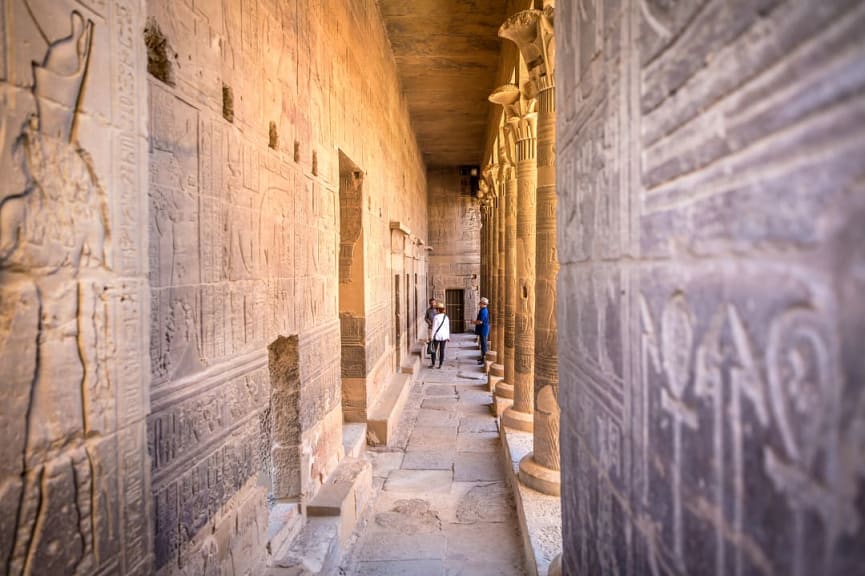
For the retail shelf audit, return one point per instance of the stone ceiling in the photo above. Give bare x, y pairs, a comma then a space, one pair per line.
447, 53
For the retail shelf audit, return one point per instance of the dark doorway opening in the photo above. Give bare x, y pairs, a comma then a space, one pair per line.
455, 305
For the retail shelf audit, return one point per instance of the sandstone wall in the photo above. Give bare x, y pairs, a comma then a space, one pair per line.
455, 237
711, 216
74, 484
251, 103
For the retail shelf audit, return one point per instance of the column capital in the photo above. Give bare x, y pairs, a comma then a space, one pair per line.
508, 97
533, 33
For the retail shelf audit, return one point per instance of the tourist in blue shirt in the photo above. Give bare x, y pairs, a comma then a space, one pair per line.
482, 328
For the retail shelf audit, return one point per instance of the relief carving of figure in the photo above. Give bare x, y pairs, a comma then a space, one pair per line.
52, 297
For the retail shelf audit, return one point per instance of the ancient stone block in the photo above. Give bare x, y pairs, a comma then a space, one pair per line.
707, 372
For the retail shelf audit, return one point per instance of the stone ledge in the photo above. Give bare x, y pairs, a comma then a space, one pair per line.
332, 517
284, 523
384, 416
411, 365
540, 515
353, 439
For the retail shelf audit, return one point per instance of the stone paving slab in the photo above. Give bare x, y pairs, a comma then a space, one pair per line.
478, 442
477, 467
440, 390
478, 424
429, 460
439, 403
385, 545
469, 549
385, 462
437, 418
432, 438
482, 502
419, 481
400, 568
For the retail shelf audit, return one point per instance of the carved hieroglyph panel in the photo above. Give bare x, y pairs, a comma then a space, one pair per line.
73, 303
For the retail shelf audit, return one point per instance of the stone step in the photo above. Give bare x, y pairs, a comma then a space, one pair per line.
284, 523
331, 518
316, 550
354, 439
383, 417
411, 365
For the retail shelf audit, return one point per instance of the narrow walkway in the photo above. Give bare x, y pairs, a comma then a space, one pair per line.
442, 505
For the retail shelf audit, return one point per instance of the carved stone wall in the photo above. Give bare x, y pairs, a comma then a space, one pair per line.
74, 484
710, 235
455, 236
251, 104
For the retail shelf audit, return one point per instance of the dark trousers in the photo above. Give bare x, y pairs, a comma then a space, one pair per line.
440, 351
484, 338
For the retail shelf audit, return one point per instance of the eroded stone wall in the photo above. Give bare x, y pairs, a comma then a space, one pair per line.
455, 237
251, 103
710, 235
74, 484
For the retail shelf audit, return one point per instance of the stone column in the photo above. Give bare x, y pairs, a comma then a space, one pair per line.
507, 96
486, 223
540, 469
498, 368
521, 414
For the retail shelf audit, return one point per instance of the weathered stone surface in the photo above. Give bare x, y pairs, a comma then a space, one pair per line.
419, 481
73, 297
428, 460
269, 212
707, 192
477, 466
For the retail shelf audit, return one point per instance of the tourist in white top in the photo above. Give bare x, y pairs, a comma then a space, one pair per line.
441, 330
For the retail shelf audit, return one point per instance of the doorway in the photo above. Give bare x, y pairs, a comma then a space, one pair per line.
455, 305
397, 324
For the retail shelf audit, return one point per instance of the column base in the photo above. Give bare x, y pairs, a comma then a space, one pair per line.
518, 420
505, 390
539, 477
492, 381
500, 404
491, 356
497, 369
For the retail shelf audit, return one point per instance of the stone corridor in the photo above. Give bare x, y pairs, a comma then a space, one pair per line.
221, 222
444, 496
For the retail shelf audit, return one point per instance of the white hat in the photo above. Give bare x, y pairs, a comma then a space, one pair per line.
484, 300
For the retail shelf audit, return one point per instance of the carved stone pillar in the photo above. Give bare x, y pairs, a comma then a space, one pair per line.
498, 368
521, 414
507, 96
533, 33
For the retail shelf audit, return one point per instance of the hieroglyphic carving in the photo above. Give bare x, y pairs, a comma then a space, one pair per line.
78, 369
671, 352
806, 395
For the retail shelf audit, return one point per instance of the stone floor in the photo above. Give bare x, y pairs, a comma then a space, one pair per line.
442, 505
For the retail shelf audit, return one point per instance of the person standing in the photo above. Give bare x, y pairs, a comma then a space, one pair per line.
429, 316
441, 334
482, 328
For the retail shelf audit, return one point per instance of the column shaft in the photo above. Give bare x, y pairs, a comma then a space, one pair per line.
521, 414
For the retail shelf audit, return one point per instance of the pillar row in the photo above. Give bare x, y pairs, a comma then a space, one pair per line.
532, 31
521, 414
506, 96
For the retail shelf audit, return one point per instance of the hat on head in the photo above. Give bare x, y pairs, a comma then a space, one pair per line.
440, 306
484, 300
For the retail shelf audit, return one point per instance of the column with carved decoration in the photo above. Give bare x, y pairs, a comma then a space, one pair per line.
497, 370
540, 469
521, 414
507, 96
